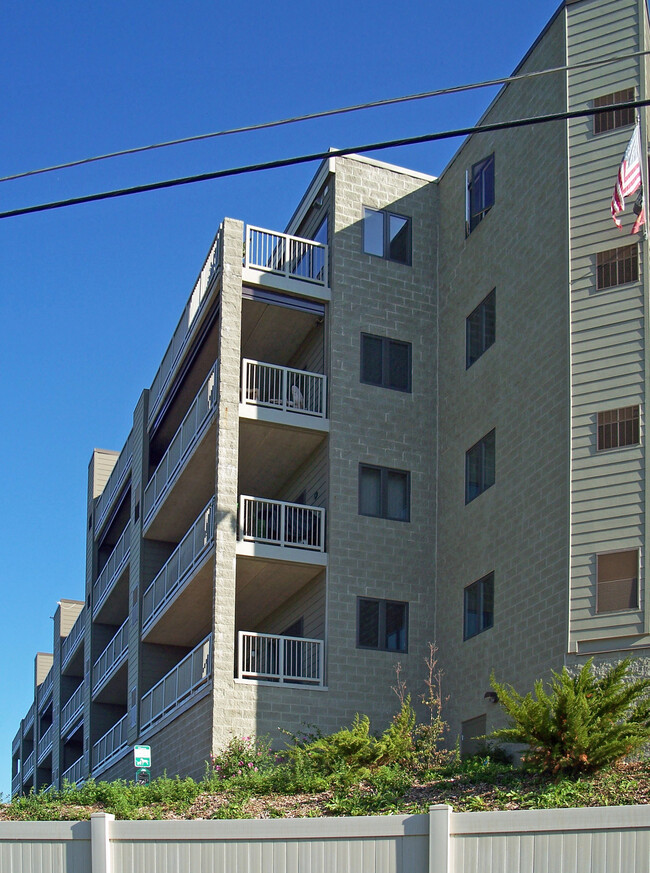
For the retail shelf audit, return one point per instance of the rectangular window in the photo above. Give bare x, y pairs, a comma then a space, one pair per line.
614, 118
618, 581
385, 362
480, 192
480, 328
382, 624
478, 607
617, 266
480, 467
618, 427
387, 235
384, 493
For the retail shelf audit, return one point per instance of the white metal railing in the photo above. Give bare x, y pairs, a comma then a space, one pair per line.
16, 782
280, 659
29, 764
73, 707
286, 255
178, 686
179, 340
29, 718
187, 555
111, 744
112, 656
45, 688
282, 524
73, 775
114, 483
112, 568
69, 644
283, 388
45, 743
184, 440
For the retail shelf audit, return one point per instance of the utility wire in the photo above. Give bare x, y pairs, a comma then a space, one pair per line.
318, 156
327, 113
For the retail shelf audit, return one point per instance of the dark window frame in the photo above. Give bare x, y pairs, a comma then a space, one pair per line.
485, 482
481, 585
386, 241
382, 604
481, 192
615, 267
614, 118
602, 582
386, 343
485, 339
383, 496
617, 428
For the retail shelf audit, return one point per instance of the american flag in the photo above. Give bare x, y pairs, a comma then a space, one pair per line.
629, 176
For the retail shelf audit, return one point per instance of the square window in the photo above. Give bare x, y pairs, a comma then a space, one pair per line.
385, 362
478, 607
387, 235
617, 585
480, 467
480, 192
384, 493
382, 624
617, 266
618, 427
480, 328
614, 118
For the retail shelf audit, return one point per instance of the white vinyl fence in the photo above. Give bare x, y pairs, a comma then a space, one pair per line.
601, 840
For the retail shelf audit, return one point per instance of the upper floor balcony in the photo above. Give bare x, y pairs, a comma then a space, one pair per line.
111, 746
71, 643
28, 769
45, 743
112, 570
29, 718
15, 744
16, 783
282, 395
286, 262
280, 659
114, 484
74, 774
112, 658
44, 691
279, 529
73, 708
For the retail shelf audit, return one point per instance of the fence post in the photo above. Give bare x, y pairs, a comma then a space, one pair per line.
101, 856
439, 839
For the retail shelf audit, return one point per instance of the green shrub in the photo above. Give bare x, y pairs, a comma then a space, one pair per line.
583, 723
241, 756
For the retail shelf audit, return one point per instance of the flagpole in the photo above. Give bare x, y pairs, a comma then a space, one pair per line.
644, 170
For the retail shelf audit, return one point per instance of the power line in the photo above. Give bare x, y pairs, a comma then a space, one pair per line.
327, 113
318, 156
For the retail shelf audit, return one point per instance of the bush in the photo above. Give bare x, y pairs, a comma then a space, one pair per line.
241, 756
583, 723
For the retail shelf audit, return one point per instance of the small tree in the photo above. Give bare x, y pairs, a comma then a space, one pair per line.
583, 723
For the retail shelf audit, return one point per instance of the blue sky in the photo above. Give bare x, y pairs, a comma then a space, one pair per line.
78, 284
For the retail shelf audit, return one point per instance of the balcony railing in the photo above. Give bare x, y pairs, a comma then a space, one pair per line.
16, 783
179, 685
281, 524
179, 341
72, 708
45, 743
187, 555
109, 747
283, 388
45, 688
29, 718
112, 568
112, 656
69, 644
285, 255
73, 775
114, 483
285, 660
15, 744
29, 765
186, 437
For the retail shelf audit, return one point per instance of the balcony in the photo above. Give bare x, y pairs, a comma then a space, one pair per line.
16, 784
112, 569
181, 449
29, 718
111, 746
45, 688
286, 262
189, 677
111, 658
69, 644
281, 660
114, 484
73, 708
297, 529
282, 389
74, 774
28, 769
190, 318
45, 743
175, 577
15, 744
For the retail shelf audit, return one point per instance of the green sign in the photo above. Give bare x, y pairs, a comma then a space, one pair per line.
142, 777
142, 756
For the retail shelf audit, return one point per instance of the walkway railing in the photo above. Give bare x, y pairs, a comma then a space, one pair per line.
74, 773
45, 688
188, 434
179, 685
280, 659
69, 644
282, 524
45, 743
283, 388
72, 708
286, 255
187, 555
16, 782
29, 764
112, 569
109, 747
29, 718
115, 480
112, 656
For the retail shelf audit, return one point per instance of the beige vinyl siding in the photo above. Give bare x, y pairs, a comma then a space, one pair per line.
308, 604
102, 466
311, 478
310, 356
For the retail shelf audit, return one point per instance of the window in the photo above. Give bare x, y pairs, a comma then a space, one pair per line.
382, 624
617, 266
481, 328
384, 493
480, 192
387, 235
385, 362
615, 117
479, 467
478, 608
618, 427
618, 581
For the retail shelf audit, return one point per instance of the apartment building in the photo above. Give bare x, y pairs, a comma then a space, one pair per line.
418, 414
